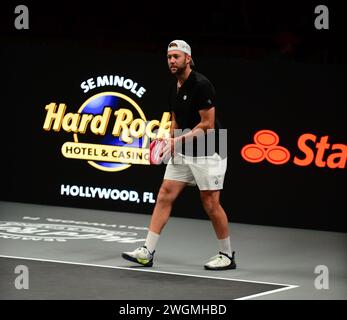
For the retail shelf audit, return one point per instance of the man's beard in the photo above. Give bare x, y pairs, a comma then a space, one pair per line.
180, 70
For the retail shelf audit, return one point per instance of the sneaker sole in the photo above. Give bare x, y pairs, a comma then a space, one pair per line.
229, 267
129, 258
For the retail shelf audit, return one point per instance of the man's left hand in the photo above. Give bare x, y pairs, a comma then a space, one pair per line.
170, 148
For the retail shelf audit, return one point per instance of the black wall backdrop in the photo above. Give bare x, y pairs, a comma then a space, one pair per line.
290, 99
272, 70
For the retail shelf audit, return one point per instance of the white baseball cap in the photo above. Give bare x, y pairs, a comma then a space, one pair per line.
181, 46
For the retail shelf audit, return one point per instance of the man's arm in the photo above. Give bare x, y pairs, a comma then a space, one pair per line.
207, 120
174, 124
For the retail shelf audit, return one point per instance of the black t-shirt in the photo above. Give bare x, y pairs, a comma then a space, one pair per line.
196, 93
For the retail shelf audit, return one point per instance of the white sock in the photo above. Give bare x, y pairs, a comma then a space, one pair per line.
151, 241
225, 246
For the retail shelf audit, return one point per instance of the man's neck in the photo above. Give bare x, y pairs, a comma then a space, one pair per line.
183, 77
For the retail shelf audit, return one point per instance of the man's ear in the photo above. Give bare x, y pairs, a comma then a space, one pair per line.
189, 58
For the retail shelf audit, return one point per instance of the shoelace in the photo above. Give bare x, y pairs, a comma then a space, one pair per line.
145, 251
216, 256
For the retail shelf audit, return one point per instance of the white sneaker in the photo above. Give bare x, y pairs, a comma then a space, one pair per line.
140, 255
221, 262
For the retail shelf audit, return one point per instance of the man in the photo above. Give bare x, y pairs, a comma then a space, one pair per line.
192, 106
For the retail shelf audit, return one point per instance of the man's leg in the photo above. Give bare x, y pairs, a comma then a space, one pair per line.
168, 193
226, 258
210, 201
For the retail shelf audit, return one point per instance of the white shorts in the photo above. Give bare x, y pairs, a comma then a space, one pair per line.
206, 172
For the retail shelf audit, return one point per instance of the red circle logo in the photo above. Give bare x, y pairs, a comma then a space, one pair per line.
253, 153
265, 147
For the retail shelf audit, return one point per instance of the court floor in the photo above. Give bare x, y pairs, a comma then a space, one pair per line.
72, 253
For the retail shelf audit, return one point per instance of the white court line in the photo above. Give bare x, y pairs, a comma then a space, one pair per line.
287, 286
267, 292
